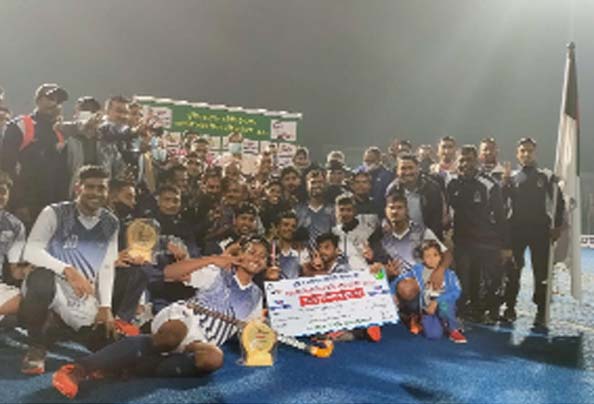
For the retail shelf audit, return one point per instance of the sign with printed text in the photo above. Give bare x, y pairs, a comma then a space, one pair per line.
306, 306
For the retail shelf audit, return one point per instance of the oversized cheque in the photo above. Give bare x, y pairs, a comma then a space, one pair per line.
307, 306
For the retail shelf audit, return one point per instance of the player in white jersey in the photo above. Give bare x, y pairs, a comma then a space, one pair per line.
12, 241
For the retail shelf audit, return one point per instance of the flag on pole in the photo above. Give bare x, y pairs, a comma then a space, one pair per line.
567, 170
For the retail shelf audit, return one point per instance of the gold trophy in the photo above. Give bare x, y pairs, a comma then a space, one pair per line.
142, 236
258, 341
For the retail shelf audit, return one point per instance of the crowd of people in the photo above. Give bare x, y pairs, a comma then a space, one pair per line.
449, 227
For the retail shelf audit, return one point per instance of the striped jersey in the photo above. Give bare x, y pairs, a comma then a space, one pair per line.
221, 291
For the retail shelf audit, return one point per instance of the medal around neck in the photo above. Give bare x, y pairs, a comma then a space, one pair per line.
142, 236
258, 343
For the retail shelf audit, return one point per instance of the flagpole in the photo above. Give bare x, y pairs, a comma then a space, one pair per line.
550, 266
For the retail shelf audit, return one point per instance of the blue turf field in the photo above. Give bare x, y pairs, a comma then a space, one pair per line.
495, 366
498, 365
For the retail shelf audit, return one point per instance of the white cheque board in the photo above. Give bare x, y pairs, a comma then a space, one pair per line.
306, 306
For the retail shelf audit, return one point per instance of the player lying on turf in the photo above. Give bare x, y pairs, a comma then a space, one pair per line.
183, 343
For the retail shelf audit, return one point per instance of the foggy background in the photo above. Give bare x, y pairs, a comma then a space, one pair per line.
361, 72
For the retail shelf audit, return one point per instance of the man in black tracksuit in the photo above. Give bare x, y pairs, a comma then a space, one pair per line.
481, 238
531, 191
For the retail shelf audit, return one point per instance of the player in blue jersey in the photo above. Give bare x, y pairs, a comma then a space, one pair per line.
183, 343
74, 246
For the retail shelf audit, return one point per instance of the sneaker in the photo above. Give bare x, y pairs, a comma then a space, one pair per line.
457, 337
67, 379
415, 327
34, 361
510, 315
125, 328
374, 333
539, 319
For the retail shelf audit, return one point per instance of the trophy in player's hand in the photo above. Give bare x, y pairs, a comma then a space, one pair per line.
142, 236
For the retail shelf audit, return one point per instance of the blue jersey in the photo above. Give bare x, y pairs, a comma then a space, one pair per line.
220, 290
78, 246
315, 221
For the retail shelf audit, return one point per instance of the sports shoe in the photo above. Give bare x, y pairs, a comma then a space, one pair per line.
539, 319
457, 337
415, 327
125, 328
34, 361
374, 333
67, 379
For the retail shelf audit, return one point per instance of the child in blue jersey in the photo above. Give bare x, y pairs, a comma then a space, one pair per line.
436, 306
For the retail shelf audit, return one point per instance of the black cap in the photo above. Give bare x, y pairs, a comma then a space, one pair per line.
52, 90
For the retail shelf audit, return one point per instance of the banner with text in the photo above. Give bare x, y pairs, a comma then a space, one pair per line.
306, 306
259, 127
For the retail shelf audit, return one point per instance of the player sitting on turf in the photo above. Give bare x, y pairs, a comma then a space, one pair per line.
184, 343
436, 308
12, 241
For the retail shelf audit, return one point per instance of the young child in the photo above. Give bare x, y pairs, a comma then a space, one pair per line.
437, 308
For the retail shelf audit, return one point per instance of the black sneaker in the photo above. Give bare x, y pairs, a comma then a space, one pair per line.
539, 319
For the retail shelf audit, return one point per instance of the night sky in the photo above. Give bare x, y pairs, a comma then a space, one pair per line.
361, 72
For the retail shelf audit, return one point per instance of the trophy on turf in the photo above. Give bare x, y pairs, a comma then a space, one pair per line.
258, 341
142, 236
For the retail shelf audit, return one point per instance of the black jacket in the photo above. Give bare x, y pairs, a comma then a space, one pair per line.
479, 215
530, 191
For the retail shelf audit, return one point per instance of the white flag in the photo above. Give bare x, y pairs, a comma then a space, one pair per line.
567, 169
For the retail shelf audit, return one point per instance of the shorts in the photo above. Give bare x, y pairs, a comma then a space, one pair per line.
7, 293
76, 312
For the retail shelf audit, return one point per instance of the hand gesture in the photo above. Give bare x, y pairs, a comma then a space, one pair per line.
226, 261
233, 249
272, 273
178, 252
432, 308
394, 268
81, 286
105, 317
436, 278
367, 252
376, 267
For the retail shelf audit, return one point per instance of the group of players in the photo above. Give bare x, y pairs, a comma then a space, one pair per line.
450, 231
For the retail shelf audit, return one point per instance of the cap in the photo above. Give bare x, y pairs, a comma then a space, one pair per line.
52, 90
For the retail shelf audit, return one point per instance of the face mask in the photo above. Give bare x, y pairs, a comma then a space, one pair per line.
371, 167
235, 148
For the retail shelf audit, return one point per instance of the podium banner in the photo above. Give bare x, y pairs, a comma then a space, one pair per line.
306, 306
